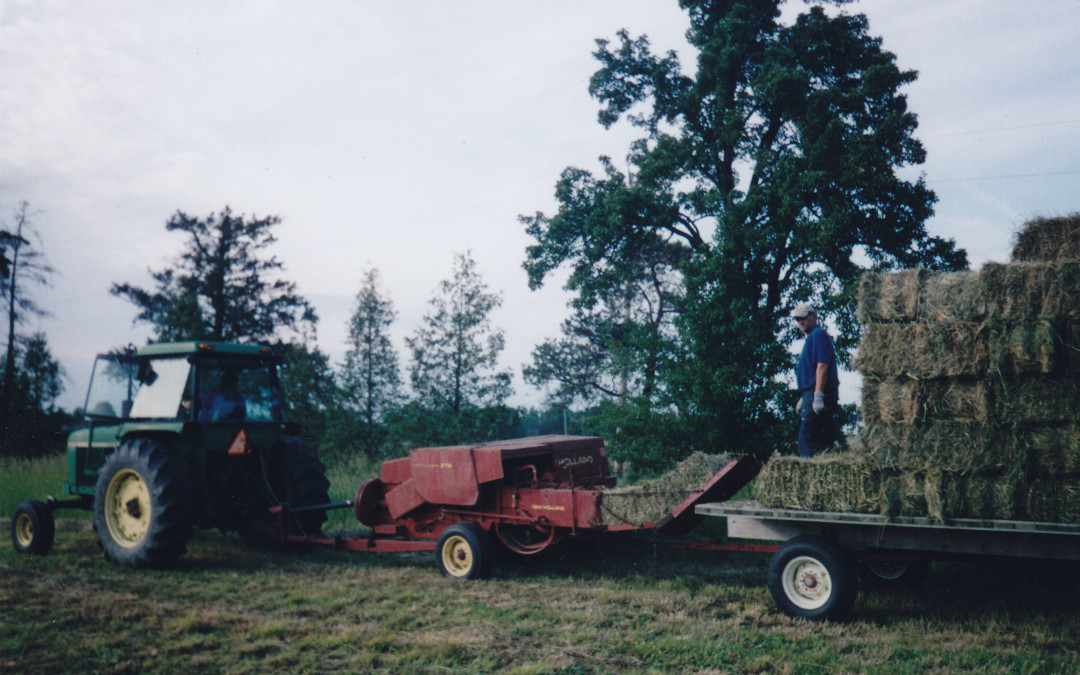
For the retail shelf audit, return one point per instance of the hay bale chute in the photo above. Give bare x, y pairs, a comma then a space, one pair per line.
651, 500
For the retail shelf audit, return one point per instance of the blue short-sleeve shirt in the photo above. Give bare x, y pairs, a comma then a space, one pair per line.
818, 348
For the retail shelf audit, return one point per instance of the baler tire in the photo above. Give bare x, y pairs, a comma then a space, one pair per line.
811, 578
32, 528
464, 551
143, 511
297, 478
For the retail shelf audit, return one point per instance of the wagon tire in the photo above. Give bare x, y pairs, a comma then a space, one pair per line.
464, 551
811, 578
143, 511
907, 575
32, 528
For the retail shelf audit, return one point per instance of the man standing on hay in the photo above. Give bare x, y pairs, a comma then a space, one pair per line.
818, 383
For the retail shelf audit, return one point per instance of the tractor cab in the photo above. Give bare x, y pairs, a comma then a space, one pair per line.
209, 385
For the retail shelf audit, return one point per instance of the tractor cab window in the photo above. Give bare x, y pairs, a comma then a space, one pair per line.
113, 386
163, 385
236, 390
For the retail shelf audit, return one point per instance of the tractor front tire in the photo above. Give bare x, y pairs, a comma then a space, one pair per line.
143, 510
32, 528
464, 551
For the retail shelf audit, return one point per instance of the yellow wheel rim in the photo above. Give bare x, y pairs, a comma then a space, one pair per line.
457, 556
127, 508
24, 530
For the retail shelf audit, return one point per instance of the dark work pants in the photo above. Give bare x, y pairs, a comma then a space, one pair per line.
816, 430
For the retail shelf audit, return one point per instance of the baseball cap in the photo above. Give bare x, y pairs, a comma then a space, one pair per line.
802, 310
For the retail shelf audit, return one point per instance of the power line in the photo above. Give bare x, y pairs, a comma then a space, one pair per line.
1014, 128
1015, 175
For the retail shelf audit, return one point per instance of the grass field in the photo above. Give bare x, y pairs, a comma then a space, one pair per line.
629, 606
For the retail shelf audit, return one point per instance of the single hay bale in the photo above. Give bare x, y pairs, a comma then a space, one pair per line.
1036, 398
890, 296
844, 482
884, 350
1048, 239
990, 497
651, 500
1051, 501
903, 494
1050, 450
924, 350
950, 297
958, 447
1025, 348
911, 401
942, 495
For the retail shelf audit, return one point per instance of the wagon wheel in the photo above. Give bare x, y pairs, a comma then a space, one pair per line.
527, 539
811, 578
908, 574
464, 551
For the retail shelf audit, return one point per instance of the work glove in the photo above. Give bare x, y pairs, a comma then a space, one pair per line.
819, 402
798, 407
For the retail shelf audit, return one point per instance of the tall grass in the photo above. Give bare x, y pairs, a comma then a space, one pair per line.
25, 478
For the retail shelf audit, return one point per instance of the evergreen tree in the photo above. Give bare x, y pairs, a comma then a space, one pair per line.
220, 287
370, 377
459, 390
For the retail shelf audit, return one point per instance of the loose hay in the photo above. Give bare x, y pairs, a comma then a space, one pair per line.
651, 500
847, 482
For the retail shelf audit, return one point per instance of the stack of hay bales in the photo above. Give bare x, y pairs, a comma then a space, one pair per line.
971, 389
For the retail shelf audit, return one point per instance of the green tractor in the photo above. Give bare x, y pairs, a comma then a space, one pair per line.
177, 436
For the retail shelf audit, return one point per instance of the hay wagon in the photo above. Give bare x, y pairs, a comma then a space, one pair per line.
815, 568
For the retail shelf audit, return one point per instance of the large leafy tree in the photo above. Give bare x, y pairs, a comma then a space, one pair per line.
774, 173
222, 286
454, 370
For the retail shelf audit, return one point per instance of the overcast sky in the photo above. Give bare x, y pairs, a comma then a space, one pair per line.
394, 134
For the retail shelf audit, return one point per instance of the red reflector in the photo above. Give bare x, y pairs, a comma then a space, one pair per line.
239, 446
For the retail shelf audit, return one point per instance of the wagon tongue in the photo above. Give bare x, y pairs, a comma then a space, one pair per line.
721, 487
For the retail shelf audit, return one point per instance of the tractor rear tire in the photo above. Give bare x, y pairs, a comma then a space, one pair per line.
143, 510
295, 477
464, 551
33, 528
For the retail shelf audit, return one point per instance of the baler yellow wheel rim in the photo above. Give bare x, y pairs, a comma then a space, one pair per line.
457, 556
24, 530
127, 508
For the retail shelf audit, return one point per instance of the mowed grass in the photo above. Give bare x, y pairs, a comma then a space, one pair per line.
627, 605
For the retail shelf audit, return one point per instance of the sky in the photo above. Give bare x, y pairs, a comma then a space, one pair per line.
394, 135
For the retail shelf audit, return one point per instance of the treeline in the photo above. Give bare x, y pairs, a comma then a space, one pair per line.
30, 423
775, 171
